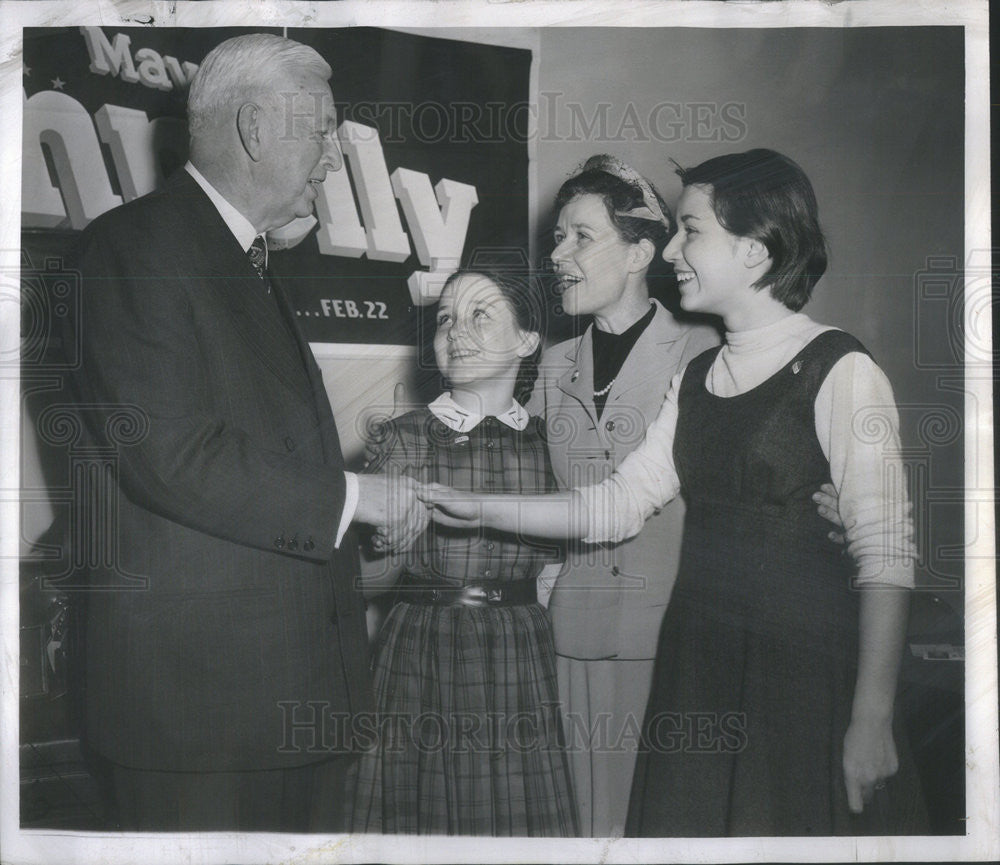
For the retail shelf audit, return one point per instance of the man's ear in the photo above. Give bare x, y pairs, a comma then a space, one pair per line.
756, 253
248, 120
529, 343
641, 254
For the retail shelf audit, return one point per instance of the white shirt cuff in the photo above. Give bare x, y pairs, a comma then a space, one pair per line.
351, 495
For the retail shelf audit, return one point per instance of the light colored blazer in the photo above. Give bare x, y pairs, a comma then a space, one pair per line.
609, 599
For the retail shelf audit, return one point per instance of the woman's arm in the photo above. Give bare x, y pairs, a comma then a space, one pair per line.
551, 515
610, 511
857, 425
869, 747
858, 428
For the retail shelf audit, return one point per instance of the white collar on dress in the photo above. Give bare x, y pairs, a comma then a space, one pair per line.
236, 222
459, 419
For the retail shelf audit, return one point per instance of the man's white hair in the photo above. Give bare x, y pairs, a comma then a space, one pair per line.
241, 69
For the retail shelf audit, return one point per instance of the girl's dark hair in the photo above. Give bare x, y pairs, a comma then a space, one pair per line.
527, 301
766, 196
619, 197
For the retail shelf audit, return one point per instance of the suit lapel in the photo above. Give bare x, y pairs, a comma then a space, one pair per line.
257, 318
653, 358
320, 399
253, 313
578, 381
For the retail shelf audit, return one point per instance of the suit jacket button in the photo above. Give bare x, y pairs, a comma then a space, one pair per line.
616, 570
610, 426
279, 542
293, 543
309, 546
290, 443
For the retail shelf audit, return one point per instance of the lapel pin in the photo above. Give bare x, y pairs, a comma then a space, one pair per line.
575, 376
796, 367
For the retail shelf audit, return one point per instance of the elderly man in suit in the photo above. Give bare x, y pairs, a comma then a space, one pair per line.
221, 686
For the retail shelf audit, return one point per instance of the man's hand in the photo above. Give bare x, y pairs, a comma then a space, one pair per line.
827, 506
390, 503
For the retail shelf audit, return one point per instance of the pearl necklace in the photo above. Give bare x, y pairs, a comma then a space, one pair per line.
605, 390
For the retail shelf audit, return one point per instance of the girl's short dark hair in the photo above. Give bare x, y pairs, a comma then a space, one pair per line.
766, 196
619, 197
527, 301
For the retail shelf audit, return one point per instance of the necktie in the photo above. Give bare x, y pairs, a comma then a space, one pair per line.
257, 253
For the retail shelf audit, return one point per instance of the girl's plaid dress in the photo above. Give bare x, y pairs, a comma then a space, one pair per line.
468, 736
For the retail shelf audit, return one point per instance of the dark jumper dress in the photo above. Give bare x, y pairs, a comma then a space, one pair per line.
756, 663
470, 730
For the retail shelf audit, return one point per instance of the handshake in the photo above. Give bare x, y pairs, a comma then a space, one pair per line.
400, 508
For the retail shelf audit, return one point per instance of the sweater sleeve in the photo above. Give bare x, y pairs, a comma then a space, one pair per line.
644, 481
857, 425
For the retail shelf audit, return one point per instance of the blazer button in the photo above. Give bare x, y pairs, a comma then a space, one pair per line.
293, 543
616, 570
610, 426
490, 546
289, 443
279, 542
309, 546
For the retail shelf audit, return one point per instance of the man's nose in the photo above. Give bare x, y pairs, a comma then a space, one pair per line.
332, 158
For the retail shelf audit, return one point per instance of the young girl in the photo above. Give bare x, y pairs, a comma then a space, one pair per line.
772, 703
468, 739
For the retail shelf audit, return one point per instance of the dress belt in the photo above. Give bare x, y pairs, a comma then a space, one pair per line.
494, 594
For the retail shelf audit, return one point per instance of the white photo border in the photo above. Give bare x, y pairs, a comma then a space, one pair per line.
982, 843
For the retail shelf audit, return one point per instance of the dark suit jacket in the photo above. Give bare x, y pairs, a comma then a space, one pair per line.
228, 506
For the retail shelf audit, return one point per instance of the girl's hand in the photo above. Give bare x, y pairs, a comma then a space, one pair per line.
869, 759
450, 507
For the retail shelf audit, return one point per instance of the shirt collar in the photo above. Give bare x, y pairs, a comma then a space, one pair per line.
236, 222
459, 419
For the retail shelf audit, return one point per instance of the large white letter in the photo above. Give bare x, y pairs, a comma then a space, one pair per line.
64, 126
135, 143
340, 230
180, 75
438, 234
386, 239
152, 72
106, 58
